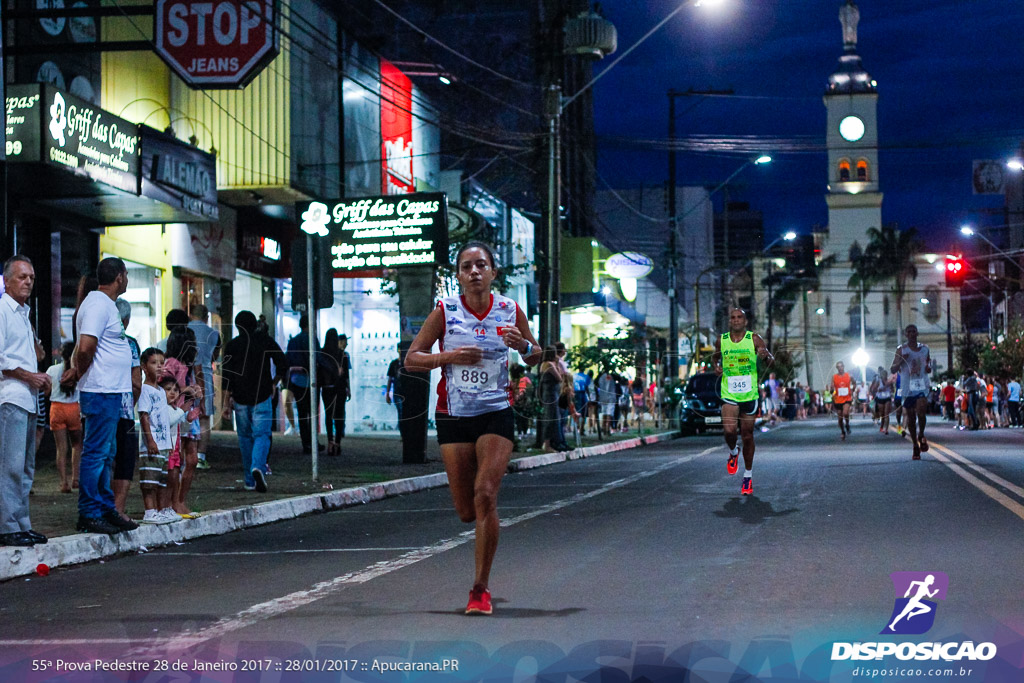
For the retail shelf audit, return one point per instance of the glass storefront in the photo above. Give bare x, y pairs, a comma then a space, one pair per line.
371, 321
144, 292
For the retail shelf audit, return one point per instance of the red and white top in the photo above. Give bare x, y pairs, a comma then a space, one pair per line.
468, 390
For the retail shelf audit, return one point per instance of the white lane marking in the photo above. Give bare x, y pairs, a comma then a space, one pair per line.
79, 641
282, 552
991, 476
292, 601
990, 491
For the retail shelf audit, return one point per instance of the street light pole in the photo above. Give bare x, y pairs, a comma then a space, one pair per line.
551, 332
671, 353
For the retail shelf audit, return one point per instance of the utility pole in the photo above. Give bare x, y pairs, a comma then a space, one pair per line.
672, 351
674, 257
807, 341
949, 338
551, 332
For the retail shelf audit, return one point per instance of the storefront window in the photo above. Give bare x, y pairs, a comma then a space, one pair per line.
248, 295
144, 295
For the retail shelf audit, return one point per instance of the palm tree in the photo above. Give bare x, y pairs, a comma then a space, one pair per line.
889, 256
862, 277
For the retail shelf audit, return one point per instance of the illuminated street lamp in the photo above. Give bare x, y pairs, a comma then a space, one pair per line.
580, 33
861, 360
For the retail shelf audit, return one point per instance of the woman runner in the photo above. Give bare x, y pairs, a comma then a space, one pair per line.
474, 332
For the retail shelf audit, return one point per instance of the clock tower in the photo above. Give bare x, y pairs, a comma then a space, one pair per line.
851, 99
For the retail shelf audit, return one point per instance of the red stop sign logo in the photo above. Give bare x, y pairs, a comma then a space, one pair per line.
216, 43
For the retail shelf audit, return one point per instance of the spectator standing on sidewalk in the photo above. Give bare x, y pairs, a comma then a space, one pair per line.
127, 438
101, 365
20, 383
248, 386
335, 389
345, 364
155, 445
175, 318
181, 365
298, 383
393, 394
208, 345
65, 421
1013, 402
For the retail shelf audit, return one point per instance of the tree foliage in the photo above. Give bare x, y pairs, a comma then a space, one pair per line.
1005, 359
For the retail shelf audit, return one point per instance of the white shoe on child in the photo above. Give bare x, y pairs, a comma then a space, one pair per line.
152, 517
168, 515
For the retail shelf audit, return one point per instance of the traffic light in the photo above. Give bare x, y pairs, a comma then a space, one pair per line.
956, 271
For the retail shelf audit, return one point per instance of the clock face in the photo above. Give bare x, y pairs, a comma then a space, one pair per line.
851, 128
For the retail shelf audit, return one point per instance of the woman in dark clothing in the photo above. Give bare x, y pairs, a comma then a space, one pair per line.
549, 387
333, 391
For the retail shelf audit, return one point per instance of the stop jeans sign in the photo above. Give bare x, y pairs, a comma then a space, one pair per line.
216, 43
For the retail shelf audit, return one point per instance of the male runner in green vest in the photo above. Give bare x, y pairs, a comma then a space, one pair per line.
735, 359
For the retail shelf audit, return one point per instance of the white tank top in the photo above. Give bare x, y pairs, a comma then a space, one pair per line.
913, 371
468, 390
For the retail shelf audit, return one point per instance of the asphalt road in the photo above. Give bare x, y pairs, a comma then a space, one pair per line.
636, 565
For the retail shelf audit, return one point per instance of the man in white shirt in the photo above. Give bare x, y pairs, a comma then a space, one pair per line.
208, 344
20, 382
102, 366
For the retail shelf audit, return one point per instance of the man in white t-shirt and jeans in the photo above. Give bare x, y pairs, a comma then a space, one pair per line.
102, 367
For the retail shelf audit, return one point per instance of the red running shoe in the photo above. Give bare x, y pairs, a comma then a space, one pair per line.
748, 487
924, 444
732, 466
479, 602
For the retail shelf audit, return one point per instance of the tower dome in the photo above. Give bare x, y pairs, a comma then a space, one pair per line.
850, 77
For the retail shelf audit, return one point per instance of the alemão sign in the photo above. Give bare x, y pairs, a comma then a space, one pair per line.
381, 232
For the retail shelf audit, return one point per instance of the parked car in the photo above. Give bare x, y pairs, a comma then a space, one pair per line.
701, 406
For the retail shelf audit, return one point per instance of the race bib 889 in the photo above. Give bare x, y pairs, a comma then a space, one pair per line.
472, 378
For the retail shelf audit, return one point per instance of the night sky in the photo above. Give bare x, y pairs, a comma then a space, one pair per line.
951, 89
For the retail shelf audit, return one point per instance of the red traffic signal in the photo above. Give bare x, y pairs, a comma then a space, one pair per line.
956, 271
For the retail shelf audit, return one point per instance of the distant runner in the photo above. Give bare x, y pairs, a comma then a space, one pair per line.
842, 386
881, 389
914, 363
735, 359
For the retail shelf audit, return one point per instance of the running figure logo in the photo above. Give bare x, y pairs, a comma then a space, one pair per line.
914, 612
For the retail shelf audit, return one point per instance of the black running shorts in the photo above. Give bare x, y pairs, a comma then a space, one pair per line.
746, 407
451, 429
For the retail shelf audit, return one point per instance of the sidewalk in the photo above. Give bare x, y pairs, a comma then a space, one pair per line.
370, 468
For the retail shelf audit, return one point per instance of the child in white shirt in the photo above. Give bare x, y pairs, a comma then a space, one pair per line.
157, 421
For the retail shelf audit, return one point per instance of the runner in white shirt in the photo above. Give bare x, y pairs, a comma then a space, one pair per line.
474, 419
914, 363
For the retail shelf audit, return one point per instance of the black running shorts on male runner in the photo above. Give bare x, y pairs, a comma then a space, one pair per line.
746, 407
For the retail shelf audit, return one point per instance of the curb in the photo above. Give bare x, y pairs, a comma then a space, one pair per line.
80, 548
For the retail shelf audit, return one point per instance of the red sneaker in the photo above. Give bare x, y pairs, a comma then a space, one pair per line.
732, 466
479, 602
924, 444
748, 486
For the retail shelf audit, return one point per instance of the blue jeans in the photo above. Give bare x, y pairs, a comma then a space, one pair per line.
101, 413
252, 423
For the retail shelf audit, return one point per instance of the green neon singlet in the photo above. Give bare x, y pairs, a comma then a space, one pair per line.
739, 369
